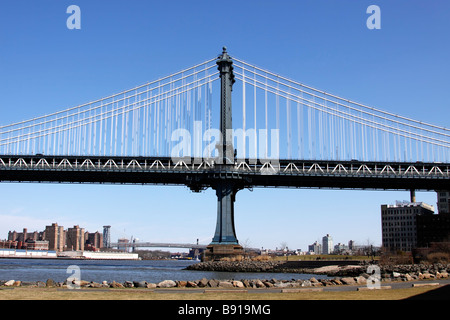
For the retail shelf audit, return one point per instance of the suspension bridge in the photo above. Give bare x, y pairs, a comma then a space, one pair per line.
179, 130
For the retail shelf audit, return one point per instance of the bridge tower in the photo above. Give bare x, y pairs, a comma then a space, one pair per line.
224, 242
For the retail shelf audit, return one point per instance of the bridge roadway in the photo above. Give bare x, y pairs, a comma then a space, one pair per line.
201, 174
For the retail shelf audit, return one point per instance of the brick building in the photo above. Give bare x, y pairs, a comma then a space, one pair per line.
75, 239
55, 238
55, 235
94, 240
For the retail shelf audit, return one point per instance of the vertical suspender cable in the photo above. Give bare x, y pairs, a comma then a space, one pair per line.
254, 116
266, 120
243, 114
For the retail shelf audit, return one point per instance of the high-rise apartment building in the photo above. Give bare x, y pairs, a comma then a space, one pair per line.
107, 236
24, 236
75, 239
315, 248
351, 244
327, 244
443, 201
94, 239
399, 224
54, 234
432, 228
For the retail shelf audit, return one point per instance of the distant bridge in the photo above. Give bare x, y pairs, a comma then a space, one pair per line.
166, 245
159, 245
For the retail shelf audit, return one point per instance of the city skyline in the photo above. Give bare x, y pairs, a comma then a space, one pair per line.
292, 241
46, 67
25, 234
28, 234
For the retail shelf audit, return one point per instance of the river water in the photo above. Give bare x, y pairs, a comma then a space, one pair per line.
117, 270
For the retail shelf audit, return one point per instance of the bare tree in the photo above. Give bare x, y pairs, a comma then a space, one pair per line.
246, 245
283, 246
368, 249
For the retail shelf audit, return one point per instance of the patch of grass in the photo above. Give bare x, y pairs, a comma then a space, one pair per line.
142, 294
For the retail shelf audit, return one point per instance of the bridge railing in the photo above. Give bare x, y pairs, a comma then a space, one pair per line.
262, 167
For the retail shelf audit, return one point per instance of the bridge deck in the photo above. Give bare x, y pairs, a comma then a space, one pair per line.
200, 174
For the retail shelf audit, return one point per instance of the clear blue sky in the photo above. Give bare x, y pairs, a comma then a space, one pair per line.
45, 67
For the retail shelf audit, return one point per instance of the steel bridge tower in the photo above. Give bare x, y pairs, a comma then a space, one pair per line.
224, 242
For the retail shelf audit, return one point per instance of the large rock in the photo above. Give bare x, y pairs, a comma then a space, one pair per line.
140, 284
348, 280
50, 283
202, 283
247, 283
408, 277
238, 284
167, 284
28, 284
9, 283
213, 283
306, 283
95, 285
225, 284
83, 283
259, 284
287, 284
327, 282
116, 285
361, 280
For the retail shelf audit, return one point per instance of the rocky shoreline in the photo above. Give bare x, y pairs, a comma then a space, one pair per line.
335, 275
331, 270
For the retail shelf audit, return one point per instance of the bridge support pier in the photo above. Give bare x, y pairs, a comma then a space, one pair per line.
224, 243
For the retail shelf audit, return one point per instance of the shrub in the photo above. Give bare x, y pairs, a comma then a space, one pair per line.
438, 257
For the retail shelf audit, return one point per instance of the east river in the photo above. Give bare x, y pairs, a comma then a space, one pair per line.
121, 270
